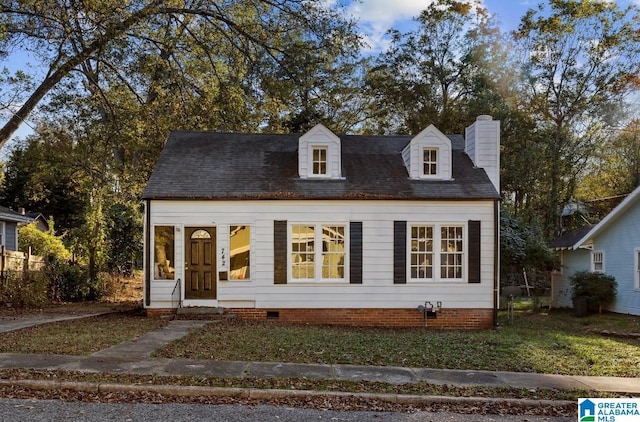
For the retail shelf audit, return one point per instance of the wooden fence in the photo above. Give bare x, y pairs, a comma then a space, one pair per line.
19, 261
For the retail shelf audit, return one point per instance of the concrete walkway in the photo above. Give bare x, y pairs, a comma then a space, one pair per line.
18, 322
134, 357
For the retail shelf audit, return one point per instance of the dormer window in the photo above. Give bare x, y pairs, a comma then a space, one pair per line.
319, 161
319, 154
430, 161
428, 156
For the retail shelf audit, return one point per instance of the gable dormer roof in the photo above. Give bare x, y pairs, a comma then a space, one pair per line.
319, 154
236, 166
428, 155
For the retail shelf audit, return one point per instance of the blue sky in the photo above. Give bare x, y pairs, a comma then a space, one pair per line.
376, 16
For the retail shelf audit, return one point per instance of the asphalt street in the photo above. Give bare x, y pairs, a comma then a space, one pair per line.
12, 410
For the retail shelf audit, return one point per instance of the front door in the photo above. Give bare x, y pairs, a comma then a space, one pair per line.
200, 263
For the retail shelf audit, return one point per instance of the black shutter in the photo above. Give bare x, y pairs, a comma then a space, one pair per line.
280, 252
355, 252
474, 251
399, 252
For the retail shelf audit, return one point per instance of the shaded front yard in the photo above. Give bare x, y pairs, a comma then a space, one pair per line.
79, 337
555, 343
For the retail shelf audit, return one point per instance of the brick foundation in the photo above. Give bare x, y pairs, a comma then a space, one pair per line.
450, 319
457, 319
159, 312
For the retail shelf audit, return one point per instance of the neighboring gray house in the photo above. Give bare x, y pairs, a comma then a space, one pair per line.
9, 221
41, 223
321, 228
612, 246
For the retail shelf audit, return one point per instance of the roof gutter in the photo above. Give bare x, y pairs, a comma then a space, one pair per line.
496, 263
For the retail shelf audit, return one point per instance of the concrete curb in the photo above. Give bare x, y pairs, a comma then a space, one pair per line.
269, 394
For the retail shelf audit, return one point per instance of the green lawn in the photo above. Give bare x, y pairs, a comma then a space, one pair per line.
555, 343
79, 337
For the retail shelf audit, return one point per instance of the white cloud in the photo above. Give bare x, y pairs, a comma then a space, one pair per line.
376, 17
385, 13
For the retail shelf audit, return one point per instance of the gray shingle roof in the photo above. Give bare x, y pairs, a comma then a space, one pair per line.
209, 165
7, 214
569, 239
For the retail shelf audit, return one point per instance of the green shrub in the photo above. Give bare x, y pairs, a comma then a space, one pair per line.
70, 282
600, 289
24, 289
41, 243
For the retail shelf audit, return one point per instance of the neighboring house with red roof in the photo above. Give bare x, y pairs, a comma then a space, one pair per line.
348, 229
9, 221
612, 246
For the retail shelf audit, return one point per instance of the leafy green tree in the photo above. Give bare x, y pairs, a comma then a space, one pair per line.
41, 175
442, 73
124, 231
615, 168
89, 37
579, 60
523, 247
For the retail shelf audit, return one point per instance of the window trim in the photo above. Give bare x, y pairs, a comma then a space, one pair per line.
437, 252
312, 162
153, 253
636, 268
251, 269
317, 253
436, 162
411, 252
594, 254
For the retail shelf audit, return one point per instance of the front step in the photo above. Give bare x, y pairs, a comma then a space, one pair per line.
200, 310
202, 313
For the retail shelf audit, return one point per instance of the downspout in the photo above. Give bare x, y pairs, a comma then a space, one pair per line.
496, 262
147, 254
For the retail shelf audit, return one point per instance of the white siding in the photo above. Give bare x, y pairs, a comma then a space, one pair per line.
412, 154
482, 144
319, 136
377, 217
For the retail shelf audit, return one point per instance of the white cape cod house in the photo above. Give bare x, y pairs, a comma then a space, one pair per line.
357, 230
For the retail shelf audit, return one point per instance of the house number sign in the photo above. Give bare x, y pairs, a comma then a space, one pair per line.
223, 259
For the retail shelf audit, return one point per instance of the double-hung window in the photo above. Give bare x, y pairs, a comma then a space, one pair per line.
430, 161
422, 252
319, 161
597, 261
451, 252
437, 252
317, 252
